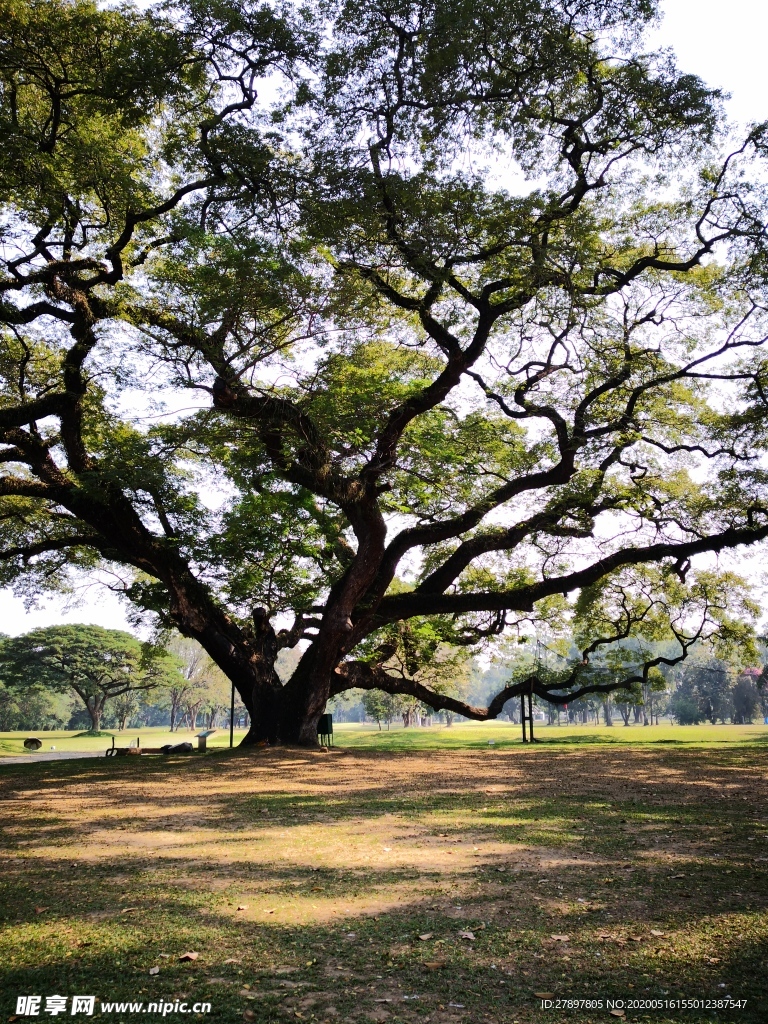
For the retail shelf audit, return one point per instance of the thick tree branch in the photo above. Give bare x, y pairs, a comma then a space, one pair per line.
401, 606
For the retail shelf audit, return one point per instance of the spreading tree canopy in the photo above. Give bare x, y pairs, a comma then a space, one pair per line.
380, 329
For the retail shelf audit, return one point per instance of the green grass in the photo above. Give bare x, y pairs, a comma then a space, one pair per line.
504, 734
340, 862
12, 743
461, 735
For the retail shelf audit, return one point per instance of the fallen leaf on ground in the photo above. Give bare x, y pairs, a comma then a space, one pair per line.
655, 931
249, 1015
426, 935
561, 938
243, 906
387, 849
636, 938
230, 961
154, 970
165, 956
457, 1006
467, 935
382, 1000
434, 965
127, 910
617, 1013
40, 910
189, 956
714, 959
544, 995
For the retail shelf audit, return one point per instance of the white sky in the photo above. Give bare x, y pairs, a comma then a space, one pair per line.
723, 43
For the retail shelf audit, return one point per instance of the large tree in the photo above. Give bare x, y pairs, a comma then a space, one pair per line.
468, 304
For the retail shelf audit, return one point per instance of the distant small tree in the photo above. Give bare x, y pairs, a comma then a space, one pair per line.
124, 707
579, 711
96, 664
626, 700
652, 688
624, 708
711, 684
746, 700
382, 707
685, 709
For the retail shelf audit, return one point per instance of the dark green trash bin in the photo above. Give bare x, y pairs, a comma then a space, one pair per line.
325, 730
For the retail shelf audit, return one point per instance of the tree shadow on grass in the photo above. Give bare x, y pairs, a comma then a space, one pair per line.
623, 849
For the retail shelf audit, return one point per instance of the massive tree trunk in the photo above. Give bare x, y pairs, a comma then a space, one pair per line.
277, 713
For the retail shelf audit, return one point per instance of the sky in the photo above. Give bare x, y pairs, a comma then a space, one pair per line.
723, 43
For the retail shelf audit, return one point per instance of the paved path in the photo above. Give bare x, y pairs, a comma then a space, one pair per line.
51, 755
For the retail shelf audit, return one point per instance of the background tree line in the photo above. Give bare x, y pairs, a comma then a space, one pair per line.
703, 689
79, 676
86, 677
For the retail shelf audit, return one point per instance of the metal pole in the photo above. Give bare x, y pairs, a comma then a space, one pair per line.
522, 716
530, 714
232, 718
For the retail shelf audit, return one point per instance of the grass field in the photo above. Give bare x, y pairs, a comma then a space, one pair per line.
449, 886
12, 743
505, 734
462, 735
